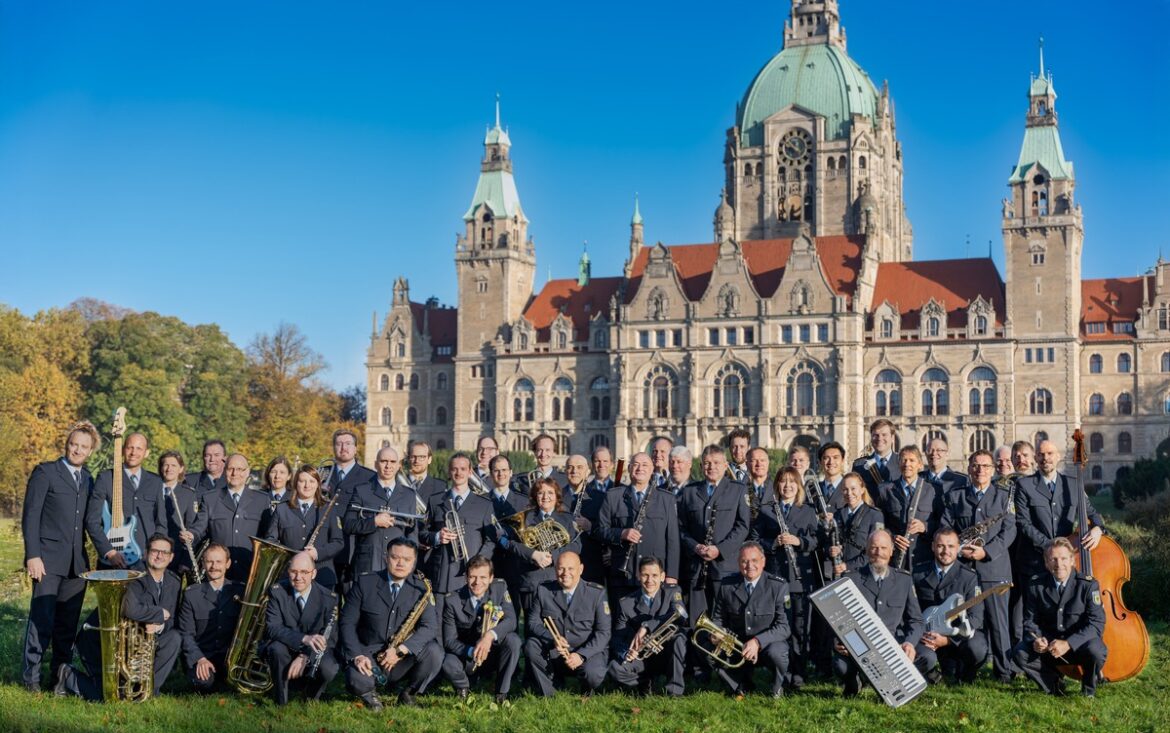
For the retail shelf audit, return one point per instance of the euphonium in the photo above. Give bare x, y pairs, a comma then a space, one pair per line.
246, 669
127, 650
726, 650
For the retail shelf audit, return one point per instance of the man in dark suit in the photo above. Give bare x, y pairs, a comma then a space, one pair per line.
544, 448
1063, 623
471, 651
375, 611
602, 461
52, 523
751, 605
966, 507
739, 441
506, 502
231, 517
911, 509
642, 614
760, 497
212, 477
578, 611
936, 470
347, 475
141, 498
832, 461
477, 517
658, 536
181, 507
207, 620
486, 449
879, 467
152, 600
934, 583
679, 464
371, 531
299, 624
418, 461
713, 508
890, 592
576, 476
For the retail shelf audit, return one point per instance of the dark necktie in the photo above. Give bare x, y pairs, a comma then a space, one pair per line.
786, 508
393, 593
1051, 487
941, 574
637, 499
236, 499
647, 600
568, 598
305, 508
750, 588
340, 477
458, 502
77, 478
301, 603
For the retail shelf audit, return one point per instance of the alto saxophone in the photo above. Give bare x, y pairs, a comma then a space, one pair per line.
406, 629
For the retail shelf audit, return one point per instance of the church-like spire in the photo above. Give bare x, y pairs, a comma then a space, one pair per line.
1042, 147
584, 268
637, 218
814, 22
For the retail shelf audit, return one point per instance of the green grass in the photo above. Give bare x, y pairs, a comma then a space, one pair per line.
1136, 705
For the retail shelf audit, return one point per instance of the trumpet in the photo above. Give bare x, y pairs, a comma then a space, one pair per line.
657, 640
453, 522
726, 649
409, 519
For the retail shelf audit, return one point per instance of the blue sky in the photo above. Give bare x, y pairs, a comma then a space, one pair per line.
245, 163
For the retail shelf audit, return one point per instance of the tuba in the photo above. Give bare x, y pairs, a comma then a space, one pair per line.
726, 650
246, 669
127, 650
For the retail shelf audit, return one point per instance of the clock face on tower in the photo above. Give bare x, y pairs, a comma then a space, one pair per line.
795, 147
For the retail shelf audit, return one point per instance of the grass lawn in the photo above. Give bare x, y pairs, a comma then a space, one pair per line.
1136, 705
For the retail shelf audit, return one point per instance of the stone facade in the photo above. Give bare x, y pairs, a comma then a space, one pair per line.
804, 319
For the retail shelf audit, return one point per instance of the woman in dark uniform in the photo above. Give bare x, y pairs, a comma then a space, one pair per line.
539, 566
295, 519
855, 521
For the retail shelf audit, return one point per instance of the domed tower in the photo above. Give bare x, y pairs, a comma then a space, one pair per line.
813, 135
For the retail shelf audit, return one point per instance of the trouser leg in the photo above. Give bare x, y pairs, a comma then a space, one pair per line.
997, 626
279, 659
539, 666
166, 653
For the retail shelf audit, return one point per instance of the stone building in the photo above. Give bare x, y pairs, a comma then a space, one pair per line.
805, 316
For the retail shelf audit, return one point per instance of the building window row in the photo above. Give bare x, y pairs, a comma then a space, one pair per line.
1040, 355
660, 339
731, 336
804, 333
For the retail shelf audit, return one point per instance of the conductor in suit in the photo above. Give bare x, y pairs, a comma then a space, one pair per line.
207, 620
641, 614
579, 613
292, 522
52, 523
231, 517
299, 624
880, 466
934, 582
890, 592
372, 530
377, 609
752, 605
141, 498
212, 477
1063, 623
479, 632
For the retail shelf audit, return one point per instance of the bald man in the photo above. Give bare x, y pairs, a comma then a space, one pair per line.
142, 500
298, 613
231, 517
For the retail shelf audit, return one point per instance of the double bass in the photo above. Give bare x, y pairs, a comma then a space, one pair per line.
1125, 632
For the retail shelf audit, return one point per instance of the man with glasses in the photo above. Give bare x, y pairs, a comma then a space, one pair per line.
298, 614
485, 450
418, 461
231, 517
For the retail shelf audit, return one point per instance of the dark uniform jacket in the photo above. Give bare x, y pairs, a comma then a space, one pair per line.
585, 622
894, 600
896, 507
835, 497
761, 617
220, 520
632, 615
660, 532
732, 524
1076, 615
513, 503
479, 532
946, 481
854, 532
188, 509
202, 483
369, 620
53, 518
290, 528
285, 622
802, 522
428, 487
357, 475
146, 503
959, 579
963, 508
462, 623
370, 540
524, 486
875, 475
531, 575
1042, 516
207, 620
145, 600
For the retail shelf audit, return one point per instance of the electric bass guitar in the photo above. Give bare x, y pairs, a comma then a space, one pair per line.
941, 619
121, 532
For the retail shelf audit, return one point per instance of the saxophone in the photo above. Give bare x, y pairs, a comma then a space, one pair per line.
406, 629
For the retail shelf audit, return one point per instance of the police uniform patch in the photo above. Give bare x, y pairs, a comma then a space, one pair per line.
1097, 598
787, 601
977, 589
605, 605
507, 597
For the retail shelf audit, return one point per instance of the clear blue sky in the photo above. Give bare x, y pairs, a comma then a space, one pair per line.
245, 163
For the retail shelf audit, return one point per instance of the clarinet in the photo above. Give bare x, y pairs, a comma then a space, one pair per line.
629, 566
196, 571
788, 549
899, 553
708, 539
813, 489
315, 661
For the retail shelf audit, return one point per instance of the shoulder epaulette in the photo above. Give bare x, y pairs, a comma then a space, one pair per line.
598, 586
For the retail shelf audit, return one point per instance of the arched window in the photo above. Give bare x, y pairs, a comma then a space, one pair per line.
1095, 473
935, 394
861, 162
411, 416
1166, 362
887, 328
386, 416
980, 325
1125, 404
523, 401
413, 382
384, 382
1095, 364
399, 382
562, 401
399, 349
482, 412
841, 163
983, 382
523, 342
981, 440
441, 381
600, 440
888, 386
1096, 404
599, 399
804, 392
730, 398
1124, 362
1124, 443
562, 340
660, 393
1040, 402
832, 163
1096, 442
974, 402
927, 402
440, 415
932, 327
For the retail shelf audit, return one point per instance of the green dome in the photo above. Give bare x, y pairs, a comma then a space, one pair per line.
820, 78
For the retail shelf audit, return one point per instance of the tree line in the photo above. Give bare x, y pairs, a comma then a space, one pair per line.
179, 383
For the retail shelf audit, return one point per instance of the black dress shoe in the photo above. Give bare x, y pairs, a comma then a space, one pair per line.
64, 673
371, 701
33, 687
406, 698
778, 694
463, 693
501, 698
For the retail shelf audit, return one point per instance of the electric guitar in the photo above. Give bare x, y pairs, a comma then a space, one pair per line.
941, 619
119, 531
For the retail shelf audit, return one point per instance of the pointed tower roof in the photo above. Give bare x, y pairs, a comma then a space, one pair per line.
496, 188
1041, 147
637, 218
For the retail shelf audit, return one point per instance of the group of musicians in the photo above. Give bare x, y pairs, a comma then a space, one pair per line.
399, 579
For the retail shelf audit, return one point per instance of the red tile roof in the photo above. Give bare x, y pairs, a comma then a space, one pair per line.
766, 258
1111, 300
442, 325
954, 283
579, 304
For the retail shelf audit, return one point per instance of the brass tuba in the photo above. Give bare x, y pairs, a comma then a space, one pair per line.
127, 650
246, 669
725, 649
